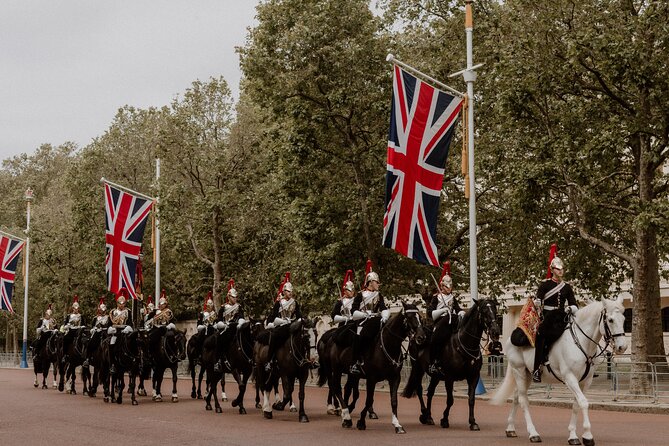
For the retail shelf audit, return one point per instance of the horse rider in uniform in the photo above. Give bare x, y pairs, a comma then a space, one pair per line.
285, 311
72, 321
207, 318
552, 296
121, 319
160, 322
230, 319
149, 311
101, 323
369, 309
46, 325
341, 313
445, 313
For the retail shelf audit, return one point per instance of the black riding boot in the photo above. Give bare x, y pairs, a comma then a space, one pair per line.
538, 357
356, 367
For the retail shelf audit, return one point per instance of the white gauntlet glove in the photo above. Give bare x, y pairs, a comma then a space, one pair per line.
385, 314
339, 318
357, 315
436, 314
571, 309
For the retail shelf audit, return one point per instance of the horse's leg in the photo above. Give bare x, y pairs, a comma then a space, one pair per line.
55, 374
522, 378
303, 380
472, 382
345, 411
573, 437
241, 378
430, 394
73, 391
191, 367
369, 401
213, 385
394, 385
199, 383
121, 387
159, 372
224, 397
424, 417
132, 383
572, 382
511, 420
175, 397
448, 385
207, 399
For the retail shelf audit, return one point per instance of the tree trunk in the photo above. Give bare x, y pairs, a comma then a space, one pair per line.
365, 211
217, 267
647, 340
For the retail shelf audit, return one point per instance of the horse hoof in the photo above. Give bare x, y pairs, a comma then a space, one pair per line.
589, 442
361, 425
373, 416
61, 388
277, 406
119, 401
444, 423
400, 430
85, 393
242, 411
106, 399
234, 403
199, 397
474, 427
141, 392
193, 395
158, 399
338, 412
69, 392
347, 424
535, 439
267, 415
304, 419
219, 410
574, 441
258, 406
207, 407
44, 386
225, 400
73, 392
175, 399
511, 434
332, 412
293, 409
36, 385
135, 402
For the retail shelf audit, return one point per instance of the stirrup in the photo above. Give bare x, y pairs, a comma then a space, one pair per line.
85, 364
434, 369
355, 368
217, 366
112, 369
536, 375
268, 366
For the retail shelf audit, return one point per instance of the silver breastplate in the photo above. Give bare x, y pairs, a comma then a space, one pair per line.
369, 300
287, 308
75, 319
49, 324
444, 301
346, 306
119, 317
209, 317
101, 320
230, 312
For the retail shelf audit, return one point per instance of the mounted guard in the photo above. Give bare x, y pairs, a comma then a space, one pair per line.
285, 311
445, 313
73, 321
101, 323
121, 319
552, 296
207, 317
230, 319
342, 311
370, 312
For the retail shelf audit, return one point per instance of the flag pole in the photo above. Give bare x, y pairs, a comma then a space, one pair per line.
390, 58
24, 353
134, 192
157, 232
469, 75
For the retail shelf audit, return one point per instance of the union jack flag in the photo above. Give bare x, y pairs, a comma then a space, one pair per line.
10, 250
422, 122
125, 222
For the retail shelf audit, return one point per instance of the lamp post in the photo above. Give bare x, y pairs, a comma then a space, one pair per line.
24, 357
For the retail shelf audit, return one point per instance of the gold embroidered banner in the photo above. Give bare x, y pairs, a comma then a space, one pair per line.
529, 320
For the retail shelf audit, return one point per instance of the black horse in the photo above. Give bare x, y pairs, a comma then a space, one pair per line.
292, 362
126, 355
194, 354
96, 361
165, 352
73, 354
237, 359
383, 362
46, 350
461, 360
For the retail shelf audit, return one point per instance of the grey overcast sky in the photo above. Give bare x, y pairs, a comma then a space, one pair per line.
66, 66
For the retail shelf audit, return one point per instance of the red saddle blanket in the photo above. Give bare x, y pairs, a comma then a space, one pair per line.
529, 320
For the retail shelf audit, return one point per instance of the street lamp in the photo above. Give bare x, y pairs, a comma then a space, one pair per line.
24, 357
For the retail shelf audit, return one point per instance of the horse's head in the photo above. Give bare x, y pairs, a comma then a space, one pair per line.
612, 324
488, 316
413, 323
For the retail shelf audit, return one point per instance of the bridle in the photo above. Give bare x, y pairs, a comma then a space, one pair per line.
412, 332
475, 353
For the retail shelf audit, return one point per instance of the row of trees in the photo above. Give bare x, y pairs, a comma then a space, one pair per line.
572, 124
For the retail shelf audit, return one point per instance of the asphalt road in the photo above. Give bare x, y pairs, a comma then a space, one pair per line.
30, 416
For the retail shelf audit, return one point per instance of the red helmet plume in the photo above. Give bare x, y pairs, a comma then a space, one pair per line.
551, 255
347, 284
206, 300
285, 285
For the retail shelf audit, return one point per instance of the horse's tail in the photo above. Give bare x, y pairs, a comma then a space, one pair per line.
323, 373
505, 390
414, 381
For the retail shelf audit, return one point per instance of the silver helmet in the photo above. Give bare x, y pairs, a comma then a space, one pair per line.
287, 287
447, 281
372, 276
349, 286
557, 263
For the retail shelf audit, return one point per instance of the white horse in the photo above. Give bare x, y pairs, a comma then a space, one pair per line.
571, 361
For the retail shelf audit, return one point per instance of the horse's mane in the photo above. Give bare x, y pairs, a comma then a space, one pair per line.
469, 312
589, 310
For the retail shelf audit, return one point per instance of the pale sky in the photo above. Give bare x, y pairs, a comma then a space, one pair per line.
67, 66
